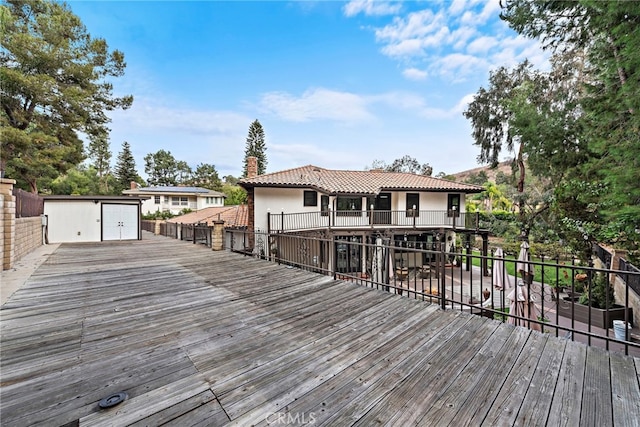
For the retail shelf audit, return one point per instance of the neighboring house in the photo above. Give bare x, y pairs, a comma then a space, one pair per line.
235, 222
362, 207
92, 218
174, 199
233, 216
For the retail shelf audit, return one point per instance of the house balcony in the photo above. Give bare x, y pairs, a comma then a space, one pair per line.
377, 219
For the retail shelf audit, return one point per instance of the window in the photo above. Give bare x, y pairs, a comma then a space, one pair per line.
324, 205
156, 200
349, 206
310, 198
180, 201
212, 200
413, 204
453, 205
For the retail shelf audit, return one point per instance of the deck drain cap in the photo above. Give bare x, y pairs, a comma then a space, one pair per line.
113, 400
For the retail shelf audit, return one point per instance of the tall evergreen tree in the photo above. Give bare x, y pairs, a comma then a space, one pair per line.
125, 170
56, 83
162, 168
607, 31
255, 147
184, 172
100, 154
206, 176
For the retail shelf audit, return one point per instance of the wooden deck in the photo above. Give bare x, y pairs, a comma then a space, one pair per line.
196, 337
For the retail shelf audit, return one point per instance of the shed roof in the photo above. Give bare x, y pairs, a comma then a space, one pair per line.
96, 198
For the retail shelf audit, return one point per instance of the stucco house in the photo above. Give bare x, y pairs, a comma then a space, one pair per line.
362, 207
175, 198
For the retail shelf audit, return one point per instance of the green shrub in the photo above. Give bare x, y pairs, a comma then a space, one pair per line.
599, 294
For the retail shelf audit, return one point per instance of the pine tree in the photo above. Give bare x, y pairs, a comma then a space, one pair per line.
125, 170
56, 86
100, 153
255, 147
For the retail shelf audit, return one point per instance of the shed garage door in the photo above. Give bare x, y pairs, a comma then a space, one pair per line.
120, 222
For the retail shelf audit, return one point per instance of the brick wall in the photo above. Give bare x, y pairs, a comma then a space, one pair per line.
18, 236
28, 236
8, 213
2, 196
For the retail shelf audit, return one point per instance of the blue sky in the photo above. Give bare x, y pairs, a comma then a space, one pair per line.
334, 84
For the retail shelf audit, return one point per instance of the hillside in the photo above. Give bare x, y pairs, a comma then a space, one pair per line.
504, 167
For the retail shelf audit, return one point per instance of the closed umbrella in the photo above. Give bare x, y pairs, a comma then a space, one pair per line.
523, 265
501, 280
522, 305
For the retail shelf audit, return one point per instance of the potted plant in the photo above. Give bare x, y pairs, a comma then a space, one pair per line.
596, 304
557, 286
599, 294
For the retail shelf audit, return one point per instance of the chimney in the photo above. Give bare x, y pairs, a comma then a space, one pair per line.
134, 185
252, 167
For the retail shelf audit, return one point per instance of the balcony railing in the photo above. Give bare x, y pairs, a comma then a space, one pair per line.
456, 280
164, 206
370, 219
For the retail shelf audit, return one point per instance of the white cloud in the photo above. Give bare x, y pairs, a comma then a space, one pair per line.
148, 114
305, 153
452, 40
398, 100
317, 104
490, 10
458, 66
459, 37
416, 26
456, 110
414, 74
481, 45
371, 7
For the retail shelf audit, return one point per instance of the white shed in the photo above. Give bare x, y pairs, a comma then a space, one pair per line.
92, 218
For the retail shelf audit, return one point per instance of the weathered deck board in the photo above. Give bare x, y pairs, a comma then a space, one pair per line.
596, 401
197, 337
567, 397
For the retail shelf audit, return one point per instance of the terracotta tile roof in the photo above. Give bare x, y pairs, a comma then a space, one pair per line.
233, 216
355, 182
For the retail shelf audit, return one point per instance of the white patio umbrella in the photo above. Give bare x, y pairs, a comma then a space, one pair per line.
501, 280
523, 265
523, 305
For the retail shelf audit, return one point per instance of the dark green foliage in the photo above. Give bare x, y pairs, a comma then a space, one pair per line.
55, 84
405, 164
79, 180
255, 146
236, 195
599, 294
206, 176
477, 178
158, 215
603, 36
576, 126
100, 155
161, 168
125, 171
